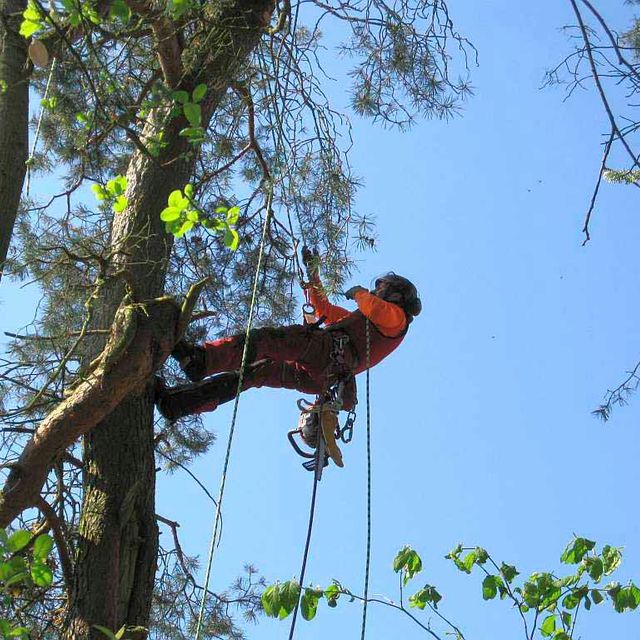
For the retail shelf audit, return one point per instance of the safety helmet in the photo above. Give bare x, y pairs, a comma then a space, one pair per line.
397, 284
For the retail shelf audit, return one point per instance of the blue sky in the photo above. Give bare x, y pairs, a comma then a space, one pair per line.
482, 431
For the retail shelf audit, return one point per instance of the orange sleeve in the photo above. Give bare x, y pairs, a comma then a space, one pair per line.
389, 318
317, 297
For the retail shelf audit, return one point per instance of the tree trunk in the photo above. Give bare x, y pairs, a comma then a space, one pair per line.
118, 533
14, 118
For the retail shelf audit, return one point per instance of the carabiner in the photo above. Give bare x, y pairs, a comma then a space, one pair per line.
346, 433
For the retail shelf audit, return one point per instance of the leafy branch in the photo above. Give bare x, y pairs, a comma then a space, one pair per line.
546, 603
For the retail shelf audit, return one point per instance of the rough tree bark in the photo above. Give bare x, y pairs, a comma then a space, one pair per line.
14, 118
118, 535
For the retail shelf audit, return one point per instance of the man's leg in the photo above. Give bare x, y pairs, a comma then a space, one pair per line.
294, 343
184, 400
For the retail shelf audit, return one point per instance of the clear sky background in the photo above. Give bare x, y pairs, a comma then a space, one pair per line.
482, 425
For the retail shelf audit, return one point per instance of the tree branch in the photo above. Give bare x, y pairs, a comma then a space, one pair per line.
142, 337
58, 535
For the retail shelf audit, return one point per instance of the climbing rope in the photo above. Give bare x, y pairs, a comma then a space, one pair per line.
312, 509
368, 554
214, 534
36, 137
225, 468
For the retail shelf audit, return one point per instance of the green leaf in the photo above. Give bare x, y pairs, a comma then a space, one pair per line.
19, 632
490, 587
28, 28
481, 555
309, 603
170, 214
222, 209
231, 239
5, 627
32, 12
548, 626
193, 113
509, 572
99, 191
570, 601
188, 190
177, 200
199, 92
232, 218
16, 579
42, 547
193, 215
3, 86
561, 635
469, 560
407, 560
217, 225
271, 601
611, 559
120, 11
576, 550
181, 96
32, 20
195, 134
41, 574
428, 594
332, 593
173, 226
18, 540
177, 8
289, 595
117, 186
595, 568
17, 563
105, 631
120, 204
187, 225
596, 596
625, 598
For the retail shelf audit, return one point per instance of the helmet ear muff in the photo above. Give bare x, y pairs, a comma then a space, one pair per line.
413, 306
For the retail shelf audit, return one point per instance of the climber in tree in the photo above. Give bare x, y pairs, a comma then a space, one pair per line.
307, 358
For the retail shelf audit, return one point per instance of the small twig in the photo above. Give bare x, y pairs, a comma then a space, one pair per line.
174, 532
398, 607
594, 196
245, 94
58, 535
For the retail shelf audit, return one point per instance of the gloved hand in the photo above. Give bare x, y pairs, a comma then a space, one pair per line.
311, 260
350, 294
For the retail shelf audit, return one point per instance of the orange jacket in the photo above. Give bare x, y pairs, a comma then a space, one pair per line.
387, 317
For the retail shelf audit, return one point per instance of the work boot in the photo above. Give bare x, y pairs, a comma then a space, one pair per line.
192, 360
177, 402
